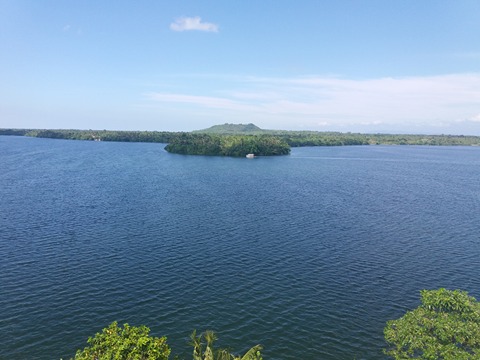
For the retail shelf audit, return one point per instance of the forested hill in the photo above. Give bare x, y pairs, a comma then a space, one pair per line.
232, 129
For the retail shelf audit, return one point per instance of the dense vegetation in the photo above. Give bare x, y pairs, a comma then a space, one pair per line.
241, 139
209, 353
135, 343
228, 145
445, 326
307, 138
129, 342
316, 138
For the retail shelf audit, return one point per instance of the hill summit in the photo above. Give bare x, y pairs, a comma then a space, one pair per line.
232, 129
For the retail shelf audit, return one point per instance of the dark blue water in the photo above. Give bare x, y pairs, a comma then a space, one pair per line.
308, 254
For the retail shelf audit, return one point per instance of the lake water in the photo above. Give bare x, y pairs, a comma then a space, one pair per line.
308, 254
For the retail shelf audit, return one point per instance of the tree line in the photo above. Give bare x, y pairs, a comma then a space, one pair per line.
215, 143
95, 135
307, 138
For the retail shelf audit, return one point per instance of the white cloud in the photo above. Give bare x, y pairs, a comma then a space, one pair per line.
413, 104
475, 118
193, 23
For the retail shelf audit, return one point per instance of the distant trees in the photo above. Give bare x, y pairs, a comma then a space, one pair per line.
104, 135
14, 132
312, 138
445, 326
215, 137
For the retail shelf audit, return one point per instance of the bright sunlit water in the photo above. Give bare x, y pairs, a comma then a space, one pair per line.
308, 254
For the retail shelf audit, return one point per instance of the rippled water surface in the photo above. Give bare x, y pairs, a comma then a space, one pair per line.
308, 254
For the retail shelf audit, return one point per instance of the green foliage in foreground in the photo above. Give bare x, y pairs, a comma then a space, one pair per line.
199, 353
445, 326
127, 343
228, 145
134, 343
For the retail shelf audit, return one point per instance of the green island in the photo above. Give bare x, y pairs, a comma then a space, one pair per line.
238, 140
228, 145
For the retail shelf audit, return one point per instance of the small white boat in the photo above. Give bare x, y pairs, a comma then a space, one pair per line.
250, 156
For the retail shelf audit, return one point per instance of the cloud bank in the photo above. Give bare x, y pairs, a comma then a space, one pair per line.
434, 104
193, 23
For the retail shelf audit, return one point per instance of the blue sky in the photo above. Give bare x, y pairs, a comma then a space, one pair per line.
409, 66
